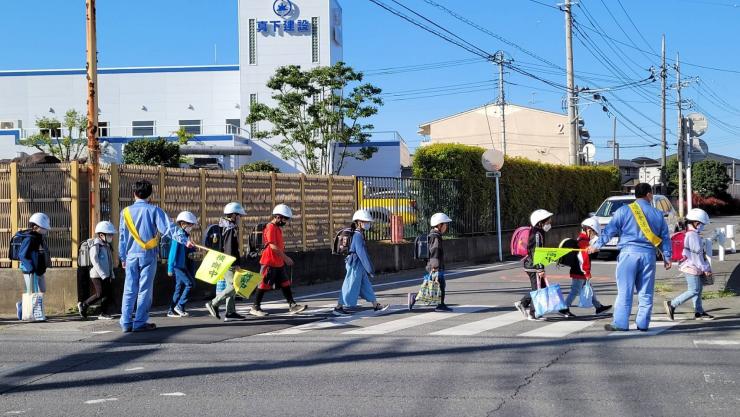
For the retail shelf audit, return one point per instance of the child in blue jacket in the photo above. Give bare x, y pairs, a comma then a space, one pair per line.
33, 255
180, 265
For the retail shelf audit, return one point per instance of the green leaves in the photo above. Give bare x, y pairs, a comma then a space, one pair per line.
312, 114
709, 178
152, 152
259, 166
52, 140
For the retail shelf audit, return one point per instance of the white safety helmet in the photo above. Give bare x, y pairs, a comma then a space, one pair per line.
41, 220
234, 208
105, 227
538, 216
362, 215
593, 224
439, 218
283, 210
698, 215
187, 217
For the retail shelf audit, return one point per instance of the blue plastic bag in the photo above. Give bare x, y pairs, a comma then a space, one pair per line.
547, 300
585, 298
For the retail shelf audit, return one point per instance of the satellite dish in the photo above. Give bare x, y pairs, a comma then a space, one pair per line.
492, 160
589, 151
697, 124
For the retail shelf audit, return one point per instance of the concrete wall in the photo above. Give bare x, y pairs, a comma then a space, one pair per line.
65, 288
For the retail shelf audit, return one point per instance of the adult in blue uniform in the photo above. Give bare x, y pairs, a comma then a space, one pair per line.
636, 261
138, 248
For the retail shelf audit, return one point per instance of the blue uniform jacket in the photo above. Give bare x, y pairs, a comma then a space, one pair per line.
178, 257
33, 254
358, 253
149, 219
624, 225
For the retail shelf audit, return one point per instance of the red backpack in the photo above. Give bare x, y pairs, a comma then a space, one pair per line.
520, 240
677, 246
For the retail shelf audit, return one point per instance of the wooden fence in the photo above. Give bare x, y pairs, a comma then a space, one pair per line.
320, 204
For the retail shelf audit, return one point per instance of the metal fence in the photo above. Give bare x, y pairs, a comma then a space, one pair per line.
416, 200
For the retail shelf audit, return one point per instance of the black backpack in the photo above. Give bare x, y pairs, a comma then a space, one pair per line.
342, 242
421, 247
571, 258
213, 238
255, 245
15, 244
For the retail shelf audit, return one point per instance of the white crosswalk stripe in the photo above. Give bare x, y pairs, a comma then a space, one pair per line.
559, 329
415, 320
332, 322
480, 326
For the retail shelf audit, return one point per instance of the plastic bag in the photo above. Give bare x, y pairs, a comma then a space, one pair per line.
585, 298
547, 300
430, 293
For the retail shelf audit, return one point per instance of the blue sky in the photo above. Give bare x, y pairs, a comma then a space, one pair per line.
51, 34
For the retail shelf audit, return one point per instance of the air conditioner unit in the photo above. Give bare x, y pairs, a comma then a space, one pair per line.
7, 124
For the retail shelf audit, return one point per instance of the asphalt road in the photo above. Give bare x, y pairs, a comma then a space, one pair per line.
479, 360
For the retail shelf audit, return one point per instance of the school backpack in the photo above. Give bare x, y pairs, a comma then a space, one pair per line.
83, 254
342, 242
212, 238
255, 245
165, 242
520, 240
15, 244
570, 259
421, 247
677, 241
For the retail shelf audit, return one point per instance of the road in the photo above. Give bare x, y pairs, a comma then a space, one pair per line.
481, 359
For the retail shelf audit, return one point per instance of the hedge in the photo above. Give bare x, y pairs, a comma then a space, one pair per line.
571, 192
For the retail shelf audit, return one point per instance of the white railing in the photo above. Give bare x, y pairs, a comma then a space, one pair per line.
154, 131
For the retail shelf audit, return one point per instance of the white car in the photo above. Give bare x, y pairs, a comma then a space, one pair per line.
611, 204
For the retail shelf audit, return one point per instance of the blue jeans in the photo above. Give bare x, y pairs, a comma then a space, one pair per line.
137, 289
635, 272
576, 285
183, 284
693, 292
356, 284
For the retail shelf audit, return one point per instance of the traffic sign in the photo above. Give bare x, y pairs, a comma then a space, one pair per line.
492, 160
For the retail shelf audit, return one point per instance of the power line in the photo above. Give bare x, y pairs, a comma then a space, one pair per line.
636, 28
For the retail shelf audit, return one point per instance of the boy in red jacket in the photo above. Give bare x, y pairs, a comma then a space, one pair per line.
580, 265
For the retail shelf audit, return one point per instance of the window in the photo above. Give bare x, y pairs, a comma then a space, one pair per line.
252, 43
102, 129
232, 126
315, 40
253, 126
142, 128
191, 126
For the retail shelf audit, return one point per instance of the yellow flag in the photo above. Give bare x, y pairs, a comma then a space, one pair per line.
245, 282
214, 266
547, 256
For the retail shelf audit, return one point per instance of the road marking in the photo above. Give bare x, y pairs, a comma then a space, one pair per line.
103, 332
416, 320
717, 342
559, 329
333, 322
172, 394
137, 368
99, 401
480, 326
656, 327
16, 412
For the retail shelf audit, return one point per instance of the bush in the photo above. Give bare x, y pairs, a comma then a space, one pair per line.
259, 166
709, 178
152, 152
571, 192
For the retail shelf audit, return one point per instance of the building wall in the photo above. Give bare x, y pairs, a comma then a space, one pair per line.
530, 133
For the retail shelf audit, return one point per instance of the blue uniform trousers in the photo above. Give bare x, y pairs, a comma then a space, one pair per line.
635, 273
137, 290
356, 284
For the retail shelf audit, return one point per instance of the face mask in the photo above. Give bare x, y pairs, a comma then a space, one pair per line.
547, 227
367, 226
699, 228
109, 238
281, 223
187, 228
593, 240
42, 231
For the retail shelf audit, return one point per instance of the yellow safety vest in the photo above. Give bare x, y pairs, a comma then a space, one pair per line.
148, 245
643, 224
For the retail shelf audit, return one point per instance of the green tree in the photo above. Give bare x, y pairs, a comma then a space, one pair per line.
259, 166
671, 174
709, 178
52, 140
152, 152
183, 137
313, 114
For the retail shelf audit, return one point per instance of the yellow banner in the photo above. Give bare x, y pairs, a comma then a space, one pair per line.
214, 266
245, 282
547, 256
643, 224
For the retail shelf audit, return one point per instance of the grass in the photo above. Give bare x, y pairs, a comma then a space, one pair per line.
710, 295
663, 288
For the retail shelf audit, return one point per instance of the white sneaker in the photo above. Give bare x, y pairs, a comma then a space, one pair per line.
181, 312
518, 305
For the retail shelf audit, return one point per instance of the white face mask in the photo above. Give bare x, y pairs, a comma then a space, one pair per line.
699, 228
593, 240
547, 227
366, 225
187, 228
42, 231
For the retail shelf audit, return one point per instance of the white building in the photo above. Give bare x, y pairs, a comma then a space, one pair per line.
211, 102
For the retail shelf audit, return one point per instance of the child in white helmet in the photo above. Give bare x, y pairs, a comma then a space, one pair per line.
541, 222
359, 268
101, 271
179, 264
694, 265
33, 255
229, 230
440, 223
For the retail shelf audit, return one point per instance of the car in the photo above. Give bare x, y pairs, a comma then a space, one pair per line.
611, 204
383, 203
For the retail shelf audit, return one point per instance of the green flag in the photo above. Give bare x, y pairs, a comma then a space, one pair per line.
547, 256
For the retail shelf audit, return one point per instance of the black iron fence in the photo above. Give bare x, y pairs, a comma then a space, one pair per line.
415, 200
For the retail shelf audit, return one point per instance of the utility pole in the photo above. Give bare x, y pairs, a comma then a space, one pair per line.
663, 76
93, 148
573, 143
680, 147
499, 59
615, 147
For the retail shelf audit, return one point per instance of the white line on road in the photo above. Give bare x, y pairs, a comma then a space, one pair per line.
656, 327
416, 320
103, 332
717, 342
559, 329
137, 368
172, 394
101, 400
480, 326
332, 322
